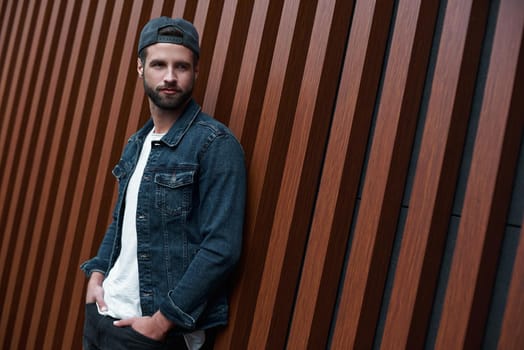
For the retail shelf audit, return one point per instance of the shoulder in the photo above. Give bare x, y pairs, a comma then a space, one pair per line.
216, 136
205, 121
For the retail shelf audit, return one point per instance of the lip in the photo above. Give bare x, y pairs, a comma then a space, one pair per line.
169, 91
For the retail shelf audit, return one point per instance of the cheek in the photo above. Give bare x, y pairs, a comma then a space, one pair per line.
187, 81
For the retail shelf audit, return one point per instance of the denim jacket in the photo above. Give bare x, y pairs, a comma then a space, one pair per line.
189, 219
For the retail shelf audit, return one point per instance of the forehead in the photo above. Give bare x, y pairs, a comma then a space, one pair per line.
168, 52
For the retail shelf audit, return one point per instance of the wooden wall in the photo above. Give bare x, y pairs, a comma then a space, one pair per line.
385, 154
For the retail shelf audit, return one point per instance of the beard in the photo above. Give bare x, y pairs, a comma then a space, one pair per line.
168, 102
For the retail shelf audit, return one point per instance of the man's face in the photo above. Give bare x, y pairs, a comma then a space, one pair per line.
169, 74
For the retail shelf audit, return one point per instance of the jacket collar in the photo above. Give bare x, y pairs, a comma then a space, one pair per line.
179, 128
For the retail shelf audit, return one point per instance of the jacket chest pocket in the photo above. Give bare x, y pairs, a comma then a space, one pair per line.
174, 192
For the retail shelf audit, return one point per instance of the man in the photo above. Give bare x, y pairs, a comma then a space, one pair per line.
159, 279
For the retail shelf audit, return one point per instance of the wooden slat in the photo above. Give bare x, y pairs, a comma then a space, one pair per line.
9, 69
385, 175
436, 175
489, 187
207, 22
341, 174
301, 173
10, 134
225, 89
14, 254
55, 193
27, 292
219, 57
7, 16
512, 330
266, 167
255, 63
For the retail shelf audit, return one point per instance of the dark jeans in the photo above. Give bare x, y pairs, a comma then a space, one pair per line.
100, 334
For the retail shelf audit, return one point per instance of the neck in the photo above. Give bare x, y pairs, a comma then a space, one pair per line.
164, 119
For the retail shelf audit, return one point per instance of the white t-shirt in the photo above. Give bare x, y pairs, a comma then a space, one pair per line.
121, 286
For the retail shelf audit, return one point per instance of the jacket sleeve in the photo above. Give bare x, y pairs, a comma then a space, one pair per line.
222, 191
101, 261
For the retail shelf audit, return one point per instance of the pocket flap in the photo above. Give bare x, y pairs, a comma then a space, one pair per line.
175, 180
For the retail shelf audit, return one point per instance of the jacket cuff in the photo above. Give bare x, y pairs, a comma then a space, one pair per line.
93, 265
181, 318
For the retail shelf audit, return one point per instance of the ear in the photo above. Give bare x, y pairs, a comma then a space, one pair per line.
139, 68
196, 71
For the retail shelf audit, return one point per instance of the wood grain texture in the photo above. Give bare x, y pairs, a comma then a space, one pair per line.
489, 187
341, 173
435, 176
375, 228
301, 172
512, 330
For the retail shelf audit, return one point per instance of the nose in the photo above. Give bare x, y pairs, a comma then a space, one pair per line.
170, 75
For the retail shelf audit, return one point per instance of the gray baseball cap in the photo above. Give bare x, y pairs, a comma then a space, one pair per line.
185, 34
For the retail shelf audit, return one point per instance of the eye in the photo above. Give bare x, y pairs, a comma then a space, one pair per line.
156, 64
181, 66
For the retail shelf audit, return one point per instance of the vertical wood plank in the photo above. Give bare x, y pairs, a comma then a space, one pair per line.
256, 62
16, 251
8, 164
436, 175
9, 56
512, 330
388, 161
295, 202
265, 171
219, 56
54, 192
207, 22
489, 187
225, 90
65, 60
341, 174
11, 134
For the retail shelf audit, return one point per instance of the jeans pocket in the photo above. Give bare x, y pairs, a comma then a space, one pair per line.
135, 338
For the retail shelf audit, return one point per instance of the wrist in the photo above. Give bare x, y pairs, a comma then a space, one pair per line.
97, 278
162, 322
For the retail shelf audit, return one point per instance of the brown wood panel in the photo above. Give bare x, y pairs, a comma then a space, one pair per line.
207, 21
512, 329
8, 55
266, 167
436, 175
74, 135
385, 175
219, 56
254, 71
225, 90
489, 187
341, 174
43, 137
16, 251
301, 172
9, 164
256, 64
7, 14
12, 134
